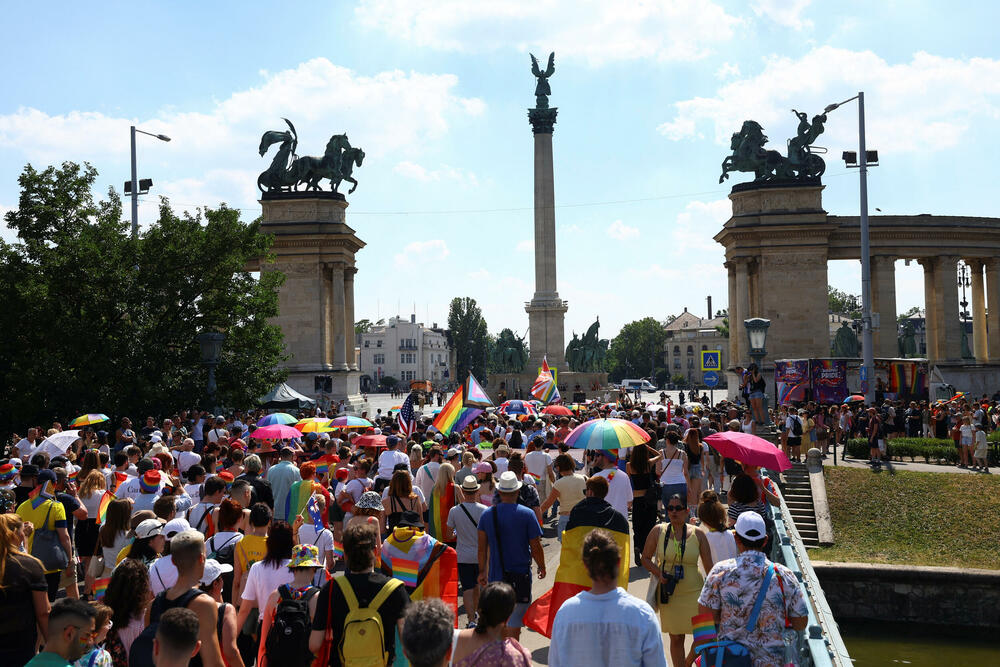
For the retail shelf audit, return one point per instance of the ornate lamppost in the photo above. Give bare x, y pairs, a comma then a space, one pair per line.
211, 353
757, 336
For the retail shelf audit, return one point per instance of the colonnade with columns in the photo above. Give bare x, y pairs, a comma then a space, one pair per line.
337, 322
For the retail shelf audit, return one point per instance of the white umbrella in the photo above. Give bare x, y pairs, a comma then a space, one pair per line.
57, 443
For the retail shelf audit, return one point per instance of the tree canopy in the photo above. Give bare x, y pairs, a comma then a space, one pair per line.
842, 302
637, 350
470, 338
98, 321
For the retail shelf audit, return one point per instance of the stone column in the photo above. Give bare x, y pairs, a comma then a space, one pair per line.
993, 308
545, 218
352, 360
930, 310
736, 328
326, 314
948, 325
734, 341
339, 320
979, 343
884, 303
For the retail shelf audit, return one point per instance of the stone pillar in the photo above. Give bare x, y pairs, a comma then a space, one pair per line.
930, 310
736, 328
993, 308
884, 303
352, 360
980, 345
326, 314
948, 324
339, 320
734, 341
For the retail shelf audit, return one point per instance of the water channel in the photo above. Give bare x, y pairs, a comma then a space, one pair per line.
873, 645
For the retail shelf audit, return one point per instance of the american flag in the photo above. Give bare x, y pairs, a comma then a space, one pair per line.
407, 422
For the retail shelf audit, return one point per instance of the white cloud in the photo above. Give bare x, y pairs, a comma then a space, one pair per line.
527, 245
965, 93
787, 13
421, 173
696, 225
571, 228
727, 71
421, 253
596, 31
622, 232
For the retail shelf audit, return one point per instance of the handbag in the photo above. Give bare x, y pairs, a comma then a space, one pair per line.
726, 653
46, 546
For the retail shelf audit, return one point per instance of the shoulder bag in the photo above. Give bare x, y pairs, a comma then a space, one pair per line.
46, 546
726, 653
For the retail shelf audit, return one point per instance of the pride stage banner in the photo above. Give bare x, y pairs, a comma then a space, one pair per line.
829, 380
791, 380
905, 380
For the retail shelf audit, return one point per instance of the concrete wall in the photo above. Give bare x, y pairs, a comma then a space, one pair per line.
952, 599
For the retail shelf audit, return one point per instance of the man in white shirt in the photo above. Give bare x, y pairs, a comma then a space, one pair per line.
388, 460
619, 488
218, 431
130, 487
539, 464
427, 474
185, 456
26, 446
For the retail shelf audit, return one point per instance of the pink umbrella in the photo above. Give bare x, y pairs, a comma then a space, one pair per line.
749, 449
370, 441
276, 432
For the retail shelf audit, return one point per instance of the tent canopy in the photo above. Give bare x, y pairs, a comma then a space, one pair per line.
283, 396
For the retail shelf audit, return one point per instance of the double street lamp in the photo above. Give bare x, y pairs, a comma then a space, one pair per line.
211, 354
135, 181
862, 161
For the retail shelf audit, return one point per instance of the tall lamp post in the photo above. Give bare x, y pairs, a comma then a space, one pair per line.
211, 353
135, 180
757, 336
862, 160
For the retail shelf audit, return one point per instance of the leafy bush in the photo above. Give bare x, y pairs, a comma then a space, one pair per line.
931, 450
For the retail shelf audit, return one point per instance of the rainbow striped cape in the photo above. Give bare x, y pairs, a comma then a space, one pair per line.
298, 495
439, 505
571, 576
428, 568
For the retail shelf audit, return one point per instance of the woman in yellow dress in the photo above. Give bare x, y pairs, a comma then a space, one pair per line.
671, 555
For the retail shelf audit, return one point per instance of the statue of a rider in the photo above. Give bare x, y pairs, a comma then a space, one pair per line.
801, 163
287, 171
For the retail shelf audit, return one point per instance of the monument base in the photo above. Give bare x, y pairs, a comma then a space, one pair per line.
346, 387
546, 333
592, 384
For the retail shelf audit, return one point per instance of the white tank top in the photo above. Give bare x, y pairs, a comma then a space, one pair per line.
673, 470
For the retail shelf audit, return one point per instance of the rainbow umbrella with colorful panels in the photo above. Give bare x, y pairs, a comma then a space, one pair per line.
350, 421
606, 433
276, 418
314, 425
88, 419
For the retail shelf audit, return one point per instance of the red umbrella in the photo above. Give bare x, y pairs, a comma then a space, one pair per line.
749, 449
370, 441
557, 410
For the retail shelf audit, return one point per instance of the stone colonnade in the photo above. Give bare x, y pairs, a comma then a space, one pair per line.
779, 240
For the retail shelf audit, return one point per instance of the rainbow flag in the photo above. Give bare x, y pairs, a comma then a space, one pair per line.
41, 493
116, 480
571, 576
298, 496
338, 550
436, 566
439, 506
544, 388
455, 415
406, 571
220, 466
473, 394
100, 588
704, 630
102, 510
73, 475
323, 464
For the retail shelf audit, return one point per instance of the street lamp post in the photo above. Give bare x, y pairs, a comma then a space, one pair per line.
211, 353
867, 344
757, 337
135, 180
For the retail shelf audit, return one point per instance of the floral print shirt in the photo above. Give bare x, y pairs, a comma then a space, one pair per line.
732, 587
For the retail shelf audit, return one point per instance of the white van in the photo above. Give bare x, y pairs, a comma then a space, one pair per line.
632, 385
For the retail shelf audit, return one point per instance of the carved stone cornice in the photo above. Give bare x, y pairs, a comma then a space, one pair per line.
542, 120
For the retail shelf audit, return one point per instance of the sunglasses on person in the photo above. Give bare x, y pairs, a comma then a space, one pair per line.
675, 508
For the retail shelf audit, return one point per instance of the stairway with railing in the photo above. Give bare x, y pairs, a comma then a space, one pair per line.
797, 492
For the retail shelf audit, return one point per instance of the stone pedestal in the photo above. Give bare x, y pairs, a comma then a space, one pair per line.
314, 248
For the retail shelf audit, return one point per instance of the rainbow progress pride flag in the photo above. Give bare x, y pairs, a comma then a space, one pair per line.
440, 504
456, 415
544, 388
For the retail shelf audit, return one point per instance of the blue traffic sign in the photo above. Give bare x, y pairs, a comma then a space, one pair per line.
711, 360
711, 378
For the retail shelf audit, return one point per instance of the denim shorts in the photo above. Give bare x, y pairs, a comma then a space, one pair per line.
668, 490
756, 394
695, 470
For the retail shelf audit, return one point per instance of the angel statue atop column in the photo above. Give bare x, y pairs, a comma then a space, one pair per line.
542, 90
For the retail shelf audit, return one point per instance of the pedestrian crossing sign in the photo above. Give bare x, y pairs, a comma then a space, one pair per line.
711, 360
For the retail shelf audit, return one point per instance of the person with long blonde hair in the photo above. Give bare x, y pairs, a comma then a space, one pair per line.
24, 601
444, 495
92, 487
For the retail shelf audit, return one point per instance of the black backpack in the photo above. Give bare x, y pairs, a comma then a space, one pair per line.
796, 426
141, 652
287, 641
225, 554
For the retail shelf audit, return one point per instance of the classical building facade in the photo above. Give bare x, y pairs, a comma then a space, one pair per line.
687, 336
406, 350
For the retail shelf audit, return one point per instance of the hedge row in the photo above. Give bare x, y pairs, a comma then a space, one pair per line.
931, 450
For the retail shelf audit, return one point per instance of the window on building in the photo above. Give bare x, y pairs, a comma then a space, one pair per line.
677, 364
378, 358
690, 363
690, 350
378, 343
677, 350
366, 343
704, 347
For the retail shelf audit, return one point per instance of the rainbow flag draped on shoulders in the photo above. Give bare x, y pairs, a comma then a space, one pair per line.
544, 388
439, 506
463, 407
427, 567
571, 576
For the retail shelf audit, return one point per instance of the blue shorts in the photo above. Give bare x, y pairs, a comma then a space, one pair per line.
756, 394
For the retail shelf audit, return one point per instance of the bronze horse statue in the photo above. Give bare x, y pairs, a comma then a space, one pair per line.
288, 171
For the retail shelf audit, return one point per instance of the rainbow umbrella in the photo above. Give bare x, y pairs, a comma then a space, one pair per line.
606, 434
350, 421
276, 418
88, 419
517, 408
276, 432
314, 425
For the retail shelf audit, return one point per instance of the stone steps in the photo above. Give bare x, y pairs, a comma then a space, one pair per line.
797, 493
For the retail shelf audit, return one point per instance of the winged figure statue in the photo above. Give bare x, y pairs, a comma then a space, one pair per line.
542, 90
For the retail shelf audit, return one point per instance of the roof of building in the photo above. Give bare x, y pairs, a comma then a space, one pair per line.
687, 321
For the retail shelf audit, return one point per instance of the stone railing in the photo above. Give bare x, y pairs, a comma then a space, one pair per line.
820, 644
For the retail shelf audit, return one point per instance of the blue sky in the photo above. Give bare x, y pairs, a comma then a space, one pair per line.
436, 92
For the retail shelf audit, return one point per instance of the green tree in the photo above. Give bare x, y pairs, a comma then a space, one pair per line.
636, 350
679, 380
96, 321
915, 310
388, 381
724, 327
470, 338
842, 302
363, 326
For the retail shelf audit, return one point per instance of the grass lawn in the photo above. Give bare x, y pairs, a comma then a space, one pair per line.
913, 518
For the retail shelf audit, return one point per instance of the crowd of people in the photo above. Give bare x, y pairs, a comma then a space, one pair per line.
191, 540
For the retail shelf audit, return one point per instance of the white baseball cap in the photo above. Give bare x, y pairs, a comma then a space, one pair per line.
148, 528
175, 526
213, 570
750, 526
